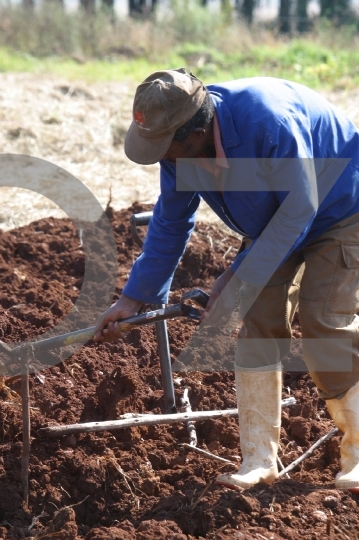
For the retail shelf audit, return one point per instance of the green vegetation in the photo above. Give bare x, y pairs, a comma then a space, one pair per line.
214, 46
299, 61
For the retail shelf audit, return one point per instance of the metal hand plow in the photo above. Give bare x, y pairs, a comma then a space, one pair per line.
18, 356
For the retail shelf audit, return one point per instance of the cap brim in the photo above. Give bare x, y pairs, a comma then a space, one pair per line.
143, 150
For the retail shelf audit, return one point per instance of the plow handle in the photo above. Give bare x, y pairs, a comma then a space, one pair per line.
170, 312
139, 220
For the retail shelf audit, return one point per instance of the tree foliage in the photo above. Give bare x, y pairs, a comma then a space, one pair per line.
335, 9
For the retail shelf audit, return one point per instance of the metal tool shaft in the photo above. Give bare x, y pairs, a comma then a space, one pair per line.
82, 336
165, 365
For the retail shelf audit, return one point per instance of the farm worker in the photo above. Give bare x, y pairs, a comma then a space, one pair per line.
280, 166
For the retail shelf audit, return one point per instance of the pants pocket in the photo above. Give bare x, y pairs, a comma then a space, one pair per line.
343, 295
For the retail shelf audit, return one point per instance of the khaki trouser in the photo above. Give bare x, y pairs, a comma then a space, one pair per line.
324, 279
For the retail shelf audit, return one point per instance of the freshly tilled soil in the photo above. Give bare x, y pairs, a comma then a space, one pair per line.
138, 483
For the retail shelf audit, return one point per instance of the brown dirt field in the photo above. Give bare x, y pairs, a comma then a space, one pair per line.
137, 483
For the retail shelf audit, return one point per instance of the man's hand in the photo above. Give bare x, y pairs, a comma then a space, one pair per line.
107, 328
222, 300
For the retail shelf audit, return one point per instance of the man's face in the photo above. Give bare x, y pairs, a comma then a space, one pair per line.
194, 146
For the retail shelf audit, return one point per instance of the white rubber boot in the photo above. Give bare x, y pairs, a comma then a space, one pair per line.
345, 414
259, 414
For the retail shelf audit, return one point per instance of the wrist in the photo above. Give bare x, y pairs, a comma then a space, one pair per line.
128, 303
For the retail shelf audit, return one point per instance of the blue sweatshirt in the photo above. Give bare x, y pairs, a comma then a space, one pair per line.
294, 173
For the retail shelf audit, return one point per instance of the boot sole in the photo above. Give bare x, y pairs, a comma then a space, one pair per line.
241, 488
353, 487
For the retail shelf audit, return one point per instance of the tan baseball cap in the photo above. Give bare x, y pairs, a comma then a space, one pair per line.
163, 102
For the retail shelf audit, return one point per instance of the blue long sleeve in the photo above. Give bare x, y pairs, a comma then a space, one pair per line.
168, 233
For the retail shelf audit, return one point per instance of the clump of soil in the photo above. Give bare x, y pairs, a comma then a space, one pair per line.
138, 483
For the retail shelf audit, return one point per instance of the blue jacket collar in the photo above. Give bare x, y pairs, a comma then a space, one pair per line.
229, 134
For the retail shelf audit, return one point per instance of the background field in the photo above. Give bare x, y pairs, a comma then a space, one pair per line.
68, 79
